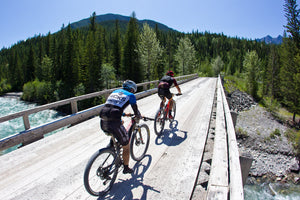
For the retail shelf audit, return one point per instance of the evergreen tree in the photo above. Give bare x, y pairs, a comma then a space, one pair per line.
290, 70
185, 56
131, 65
59, 57
48, 44
41, 52
217, 65
67, 71
170, 51
31, 65
100, 55
149, 51
252, 66
293, 24
108, 74
93, 25
272, 74
93, 61
15, 74
46, 70
117, 51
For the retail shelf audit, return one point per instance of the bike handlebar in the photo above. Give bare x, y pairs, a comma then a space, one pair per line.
148, 118
143, 118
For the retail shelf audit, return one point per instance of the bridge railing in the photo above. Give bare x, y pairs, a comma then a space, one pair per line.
225, 181
31, 134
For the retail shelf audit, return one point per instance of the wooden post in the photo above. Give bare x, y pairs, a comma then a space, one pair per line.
74, 107
26, 121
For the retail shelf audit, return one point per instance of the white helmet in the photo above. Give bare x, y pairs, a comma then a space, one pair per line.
128, 85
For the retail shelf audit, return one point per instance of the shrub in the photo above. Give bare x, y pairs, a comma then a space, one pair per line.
271, 105
4, 86
37, 91
28, 91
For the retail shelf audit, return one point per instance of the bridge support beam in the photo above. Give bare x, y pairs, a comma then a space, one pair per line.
246, 162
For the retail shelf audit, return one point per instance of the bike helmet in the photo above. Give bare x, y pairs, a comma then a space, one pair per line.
128, 85
170, 73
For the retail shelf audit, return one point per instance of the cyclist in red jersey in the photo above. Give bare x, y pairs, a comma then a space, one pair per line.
164, 86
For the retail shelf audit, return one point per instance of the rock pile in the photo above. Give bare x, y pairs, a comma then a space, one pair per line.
255, 127
239, 101
272, 154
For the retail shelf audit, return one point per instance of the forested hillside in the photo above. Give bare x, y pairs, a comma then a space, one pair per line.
87, 57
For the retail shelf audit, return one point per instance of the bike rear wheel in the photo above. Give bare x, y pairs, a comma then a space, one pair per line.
173, 111
159, 122
101, 172
139, 142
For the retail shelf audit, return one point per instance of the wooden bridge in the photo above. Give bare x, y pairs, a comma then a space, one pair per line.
200, 141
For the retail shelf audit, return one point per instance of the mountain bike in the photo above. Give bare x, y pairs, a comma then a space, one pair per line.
162, 115
102, 168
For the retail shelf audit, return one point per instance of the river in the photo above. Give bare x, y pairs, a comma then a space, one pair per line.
10, 105
272, 191
13, 105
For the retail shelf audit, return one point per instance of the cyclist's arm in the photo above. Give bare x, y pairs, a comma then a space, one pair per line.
176, 85
132, 101
136, 110
178, 89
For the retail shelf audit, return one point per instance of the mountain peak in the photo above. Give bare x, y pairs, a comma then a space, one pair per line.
270, 40
100, 19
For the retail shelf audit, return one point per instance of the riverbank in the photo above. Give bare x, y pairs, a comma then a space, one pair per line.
264, 137
16, 95
261, 135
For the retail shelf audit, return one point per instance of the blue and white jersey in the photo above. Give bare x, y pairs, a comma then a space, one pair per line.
121, 98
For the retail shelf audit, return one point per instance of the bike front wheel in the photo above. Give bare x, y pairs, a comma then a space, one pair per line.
101, 172
159, 122
139, 142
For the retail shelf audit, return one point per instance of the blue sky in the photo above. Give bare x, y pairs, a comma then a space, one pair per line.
22, 19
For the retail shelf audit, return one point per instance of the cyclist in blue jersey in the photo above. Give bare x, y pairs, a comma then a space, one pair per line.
164, 86
111, 115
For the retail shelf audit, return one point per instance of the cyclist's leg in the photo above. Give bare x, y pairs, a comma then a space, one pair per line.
162, 103
169, 95
126, 153
123, 138
161, 94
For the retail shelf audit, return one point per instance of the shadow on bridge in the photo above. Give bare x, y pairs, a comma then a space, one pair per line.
123, 188
172, 136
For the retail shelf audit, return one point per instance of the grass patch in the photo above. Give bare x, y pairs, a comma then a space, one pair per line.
275, 133
240, 133
258, 132
267, 139
232, 83
294, 137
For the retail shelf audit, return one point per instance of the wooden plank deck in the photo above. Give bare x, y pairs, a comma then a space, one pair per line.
52, 168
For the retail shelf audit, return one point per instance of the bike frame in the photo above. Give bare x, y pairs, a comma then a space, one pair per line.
166, 109
131, 126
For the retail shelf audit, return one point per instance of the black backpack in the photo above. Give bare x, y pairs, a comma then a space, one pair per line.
167, 79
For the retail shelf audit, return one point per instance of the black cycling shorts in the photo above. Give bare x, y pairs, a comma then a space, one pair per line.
164, 93
117, 129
